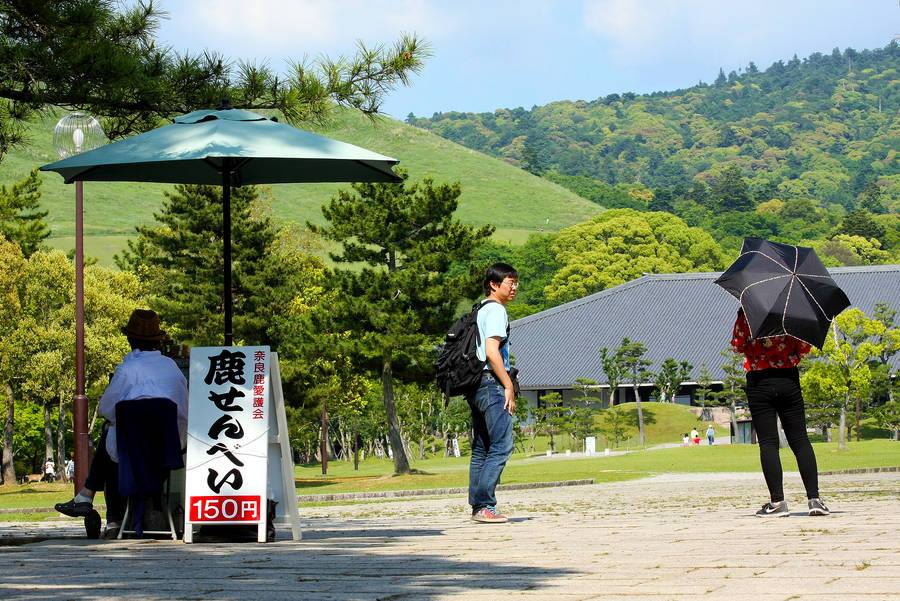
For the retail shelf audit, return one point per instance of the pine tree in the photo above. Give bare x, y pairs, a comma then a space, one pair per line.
181, 261
101, 56
731, 192
405, 296
720, 78
859, 222
631, 357
21, 220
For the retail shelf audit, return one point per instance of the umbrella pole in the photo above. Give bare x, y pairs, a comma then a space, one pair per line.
226, 241
79, 405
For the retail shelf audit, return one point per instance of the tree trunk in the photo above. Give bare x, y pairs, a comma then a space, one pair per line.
858, 416
48, 434
401, 463
9, 465
61, 442
842, 429
640, 413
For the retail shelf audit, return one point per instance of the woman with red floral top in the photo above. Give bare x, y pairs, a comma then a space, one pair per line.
773, 391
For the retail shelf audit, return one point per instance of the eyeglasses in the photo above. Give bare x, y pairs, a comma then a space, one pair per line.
512, 285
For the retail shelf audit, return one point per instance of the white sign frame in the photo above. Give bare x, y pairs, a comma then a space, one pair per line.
280, 470
228, 437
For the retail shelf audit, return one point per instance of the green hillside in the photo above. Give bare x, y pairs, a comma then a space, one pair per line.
664, 423
494, 191
821, 128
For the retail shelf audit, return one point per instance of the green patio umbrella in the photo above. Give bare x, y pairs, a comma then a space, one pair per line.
231, 147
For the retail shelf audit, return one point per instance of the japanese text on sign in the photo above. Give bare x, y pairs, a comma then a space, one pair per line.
227, 433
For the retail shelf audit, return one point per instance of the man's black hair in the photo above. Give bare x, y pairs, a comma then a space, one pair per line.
496, 273
144, 345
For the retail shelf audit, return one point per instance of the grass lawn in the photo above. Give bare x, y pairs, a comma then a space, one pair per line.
376, 474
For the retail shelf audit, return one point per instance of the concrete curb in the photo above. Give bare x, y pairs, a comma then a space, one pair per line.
430, 492
98, 508
388, 494
861, 470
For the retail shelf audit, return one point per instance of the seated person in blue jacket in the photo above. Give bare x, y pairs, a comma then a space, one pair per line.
144, 373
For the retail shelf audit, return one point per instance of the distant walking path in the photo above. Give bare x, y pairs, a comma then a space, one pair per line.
669, 537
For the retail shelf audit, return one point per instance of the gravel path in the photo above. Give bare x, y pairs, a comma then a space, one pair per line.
679, 536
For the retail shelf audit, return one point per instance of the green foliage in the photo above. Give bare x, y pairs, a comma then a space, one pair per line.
611, 363
843, 249
21, 219
844, 371
622, 244
859, 222
669, 378
551, 417
703, 391
730, 192
37, 343
619, 196
616, 425
631, 358
807, 129
180, 263
887, 416
102, 57
405, 295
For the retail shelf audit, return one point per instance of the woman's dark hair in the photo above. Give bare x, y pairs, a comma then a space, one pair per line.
496, 273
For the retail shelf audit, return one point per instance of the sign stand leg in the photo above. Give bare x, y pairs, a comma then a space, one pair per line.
282, 439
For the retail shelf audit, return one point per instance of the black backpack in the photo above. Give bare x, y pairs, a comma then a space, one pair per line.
458, 367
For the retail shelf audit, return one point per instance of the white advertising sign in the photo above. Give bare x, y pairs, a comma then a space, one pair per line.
228, 423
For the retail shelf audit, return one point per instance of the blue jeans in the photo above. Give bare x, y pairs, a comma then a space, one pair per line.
492, 443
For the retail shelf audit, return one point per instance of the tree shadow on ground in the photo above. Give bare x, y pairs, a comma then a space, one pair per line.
347, 564
649, 416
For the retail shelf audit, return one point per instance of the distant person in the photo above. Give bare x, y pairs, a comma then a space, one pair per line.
710, 435
686, 441
49, 471
695, 436
70, 469
494, 402
773, 391
143, 373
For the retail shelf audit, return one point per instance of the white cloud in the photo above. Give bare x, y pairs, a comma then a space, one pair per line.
279, 27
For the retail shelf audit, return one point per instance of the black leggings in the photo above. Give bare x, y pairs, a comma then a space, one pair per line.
774, 393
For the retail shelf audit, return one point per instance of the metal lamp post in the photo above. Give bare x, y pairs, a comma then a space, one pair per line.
73, 134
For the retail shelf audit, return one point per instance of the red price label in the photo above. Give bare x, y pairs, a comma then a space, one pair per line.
225, 509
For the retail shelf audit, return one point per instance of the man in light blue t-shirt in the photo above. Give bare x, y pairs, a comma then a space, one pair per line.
494, 401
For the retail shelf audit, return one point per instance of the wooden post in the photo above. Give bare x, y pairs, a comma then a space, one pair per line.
80, 404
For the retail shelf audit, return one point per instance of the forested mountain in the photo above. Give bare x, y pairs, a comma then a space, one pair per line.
819, 129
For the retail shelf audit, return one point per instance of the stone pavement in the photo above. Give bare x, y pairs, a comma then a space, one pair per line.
686, 536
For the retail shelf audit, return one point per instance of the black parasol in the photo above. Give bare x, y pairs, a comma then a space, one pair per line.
784, 290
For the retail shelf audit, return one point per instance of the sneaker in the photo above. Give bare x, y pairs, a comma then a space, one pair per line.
112, 531
489, 515
774, 510
817, 507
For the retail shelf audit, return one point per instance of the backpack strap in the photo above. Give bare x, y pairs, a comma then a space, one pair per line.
477, 307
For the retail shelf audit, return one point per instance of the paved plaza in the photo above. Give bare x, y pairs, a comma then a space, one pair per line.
691, 537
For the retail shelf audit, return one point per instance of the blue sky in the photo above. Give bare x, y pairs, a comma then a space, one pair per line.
493, 54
